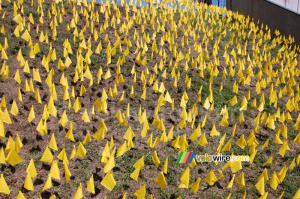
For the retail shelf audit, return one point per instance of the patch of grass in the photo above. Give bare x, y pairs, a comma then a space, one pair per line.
33, 12
289, 184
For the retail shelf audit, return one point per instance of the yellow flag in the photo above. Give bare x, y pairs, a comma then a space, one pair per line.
67, 173
31, 115
241, 181
274, 181
20, 196
195, 186
109, 165
122, 149
229, 186
185, 178
90, 185
211, 179
297, 194
141, 192
52, 143
48, 183
2, 156
13, 158
78, 193
135, 174
31, 169
161, 181
165, 166
17, 77
28, 183
87, 137
155, 159
47, 156
108, 181
3, 188
260, 186
81, 151
54, 170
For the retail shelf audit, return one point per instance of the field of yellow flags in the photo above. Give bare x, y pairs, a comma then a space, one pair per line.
97, 100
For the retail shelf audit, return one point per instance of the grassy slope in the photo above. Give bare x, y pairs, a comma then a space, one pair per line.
82, 169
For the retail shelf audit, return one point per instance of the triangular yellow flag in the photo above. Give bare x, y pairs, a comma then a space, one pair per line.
13, 158
108, 181
52, 143
141, 192
90, 185
20, 196
31, 169
195, 186
260, 186
211, 178
48, 183
79, 193
3, 186
81, 151
185, 178
31, 115
161, 181
47, 156
28, 183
